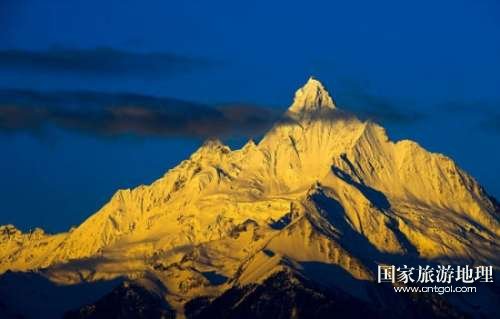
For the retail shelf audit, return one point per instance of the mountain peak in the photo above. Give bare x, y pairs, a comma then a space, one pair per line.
312, 97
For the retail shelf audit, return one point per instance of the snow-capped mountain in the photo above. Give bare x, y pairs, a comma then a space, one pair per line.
310, 211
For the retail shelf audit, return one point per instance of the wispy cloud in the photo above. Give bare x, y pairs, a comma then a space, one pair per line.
108, 114
492, 123
98, 62
358, 98
485, 112
384, 110
118, 114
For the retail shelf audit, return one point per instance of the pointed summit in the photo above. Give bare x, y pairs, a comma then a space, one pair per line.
312, 97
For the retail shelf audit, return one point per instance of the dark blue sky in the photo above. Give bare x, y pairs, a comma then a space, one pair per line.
427, 70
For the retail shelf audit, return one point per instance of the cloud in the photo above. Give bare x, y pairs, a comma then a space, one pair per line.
107, 114
386, 110
491, 123
356, 96
484, 111
479, 107
119, 114
97, 62
381, 109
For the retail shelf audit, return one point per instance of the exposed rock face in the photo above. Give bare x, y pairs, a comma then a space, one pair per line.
320, 188
128, 301
287, 295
